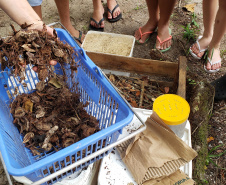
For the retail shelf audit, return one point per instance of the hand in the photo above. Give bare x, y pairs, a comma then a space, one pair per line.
39, 25
51, 62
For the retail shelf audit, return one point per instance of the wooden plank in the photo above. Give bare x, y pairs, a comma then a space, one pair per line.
181, 90
134, 65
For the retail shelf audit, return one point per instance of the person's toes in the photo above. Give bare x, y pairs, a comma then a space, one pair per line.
200, 54
137, 35
92, 23
83, 37
195, 49
117, 12
158, 46
141, 41
102, 24
167, 44
208, 66
109, 15
216, 66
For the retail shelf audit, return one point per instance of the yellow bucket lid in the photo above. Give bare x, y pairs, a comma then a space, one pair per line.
172, 109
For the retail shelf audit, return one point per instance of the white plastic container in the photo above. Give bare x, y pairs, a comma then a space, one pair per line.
110, 43
100, 42
114, 171
173, 111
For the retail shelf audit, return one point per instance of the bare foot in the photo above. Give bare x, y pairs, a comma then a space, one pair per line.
214, 57
145, 31
111, 4
203, 42
98, 15
163, 34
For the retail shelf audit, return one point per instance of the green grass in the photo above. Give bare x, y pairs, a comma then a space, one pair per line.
188, 33
191, 29
210, 156
191, 82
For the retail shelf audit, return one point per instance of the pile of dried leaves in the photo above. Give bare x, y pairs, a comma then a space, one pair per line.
52, 117
34, 47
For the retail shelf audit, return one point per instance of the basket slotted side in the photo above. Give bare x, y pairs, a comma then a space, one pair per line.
104, 103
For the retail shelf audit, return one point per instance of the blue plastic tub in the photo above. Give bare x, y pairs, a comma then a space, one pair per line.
104, 103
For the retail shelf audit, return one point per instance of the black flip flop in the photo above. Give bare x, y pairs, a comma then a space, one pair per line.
91, 27
220, 88
79, 38
116, 18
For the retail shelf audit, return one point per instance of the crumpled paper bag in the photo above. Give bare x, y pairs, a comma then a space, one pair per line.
156, 152
176, 178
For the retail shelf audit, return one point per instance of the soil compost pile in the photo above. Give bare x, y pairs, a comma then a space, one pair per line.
52, 117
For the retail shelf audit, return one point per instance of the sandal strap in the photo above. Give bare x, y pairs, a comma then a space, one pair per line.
211, 63
142, 34
79, 38
98, 23
200, 50
80, 34
161, 42
197, 42
112, 11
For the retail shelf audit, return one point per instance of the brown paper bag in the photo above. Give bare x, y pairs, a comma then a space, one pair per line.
156, 152
177, 178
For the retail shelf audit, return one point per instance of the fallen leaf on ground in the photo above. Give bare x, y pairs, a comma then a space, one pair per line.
210, 139
189, 7
166, 89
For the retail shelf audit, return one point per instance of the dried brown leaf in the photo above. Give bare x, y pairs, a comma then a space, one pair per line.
28, 136
55, 82
166, 89
40, 86
28, 106
19, 112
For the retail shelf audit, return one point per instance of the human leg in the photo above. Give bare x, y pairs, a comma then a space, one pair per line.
164, 40
36, 5
97, 18
143, 33
38, 10
64, 14
114, 13
210, 8
218, 33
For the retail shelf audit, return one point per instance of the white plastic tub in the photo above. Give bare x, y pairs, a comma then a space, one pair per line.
112, 169
110, 43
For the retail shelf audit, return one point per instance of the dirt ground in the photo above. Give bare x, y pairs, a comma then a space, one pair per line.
135, 14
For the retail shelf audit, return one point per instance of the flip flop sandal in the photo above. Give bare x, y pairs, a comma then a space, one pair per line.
142, 34
214, 70
200, 50
161, 42
79, 38
220, 88
116, 18
91, 27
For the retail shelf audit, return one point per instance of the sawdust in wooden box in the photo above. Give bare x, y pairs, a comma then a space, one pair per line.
107, 43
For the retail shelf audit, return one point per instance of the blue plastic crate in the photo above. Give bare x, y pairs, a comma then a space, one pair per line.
104, 103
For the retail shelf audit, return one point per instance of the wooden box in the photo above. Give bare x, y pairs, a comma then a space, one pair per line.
174, 70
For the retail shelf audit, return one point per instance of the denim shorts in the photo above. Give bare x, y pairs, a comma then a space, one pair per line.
35, 2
